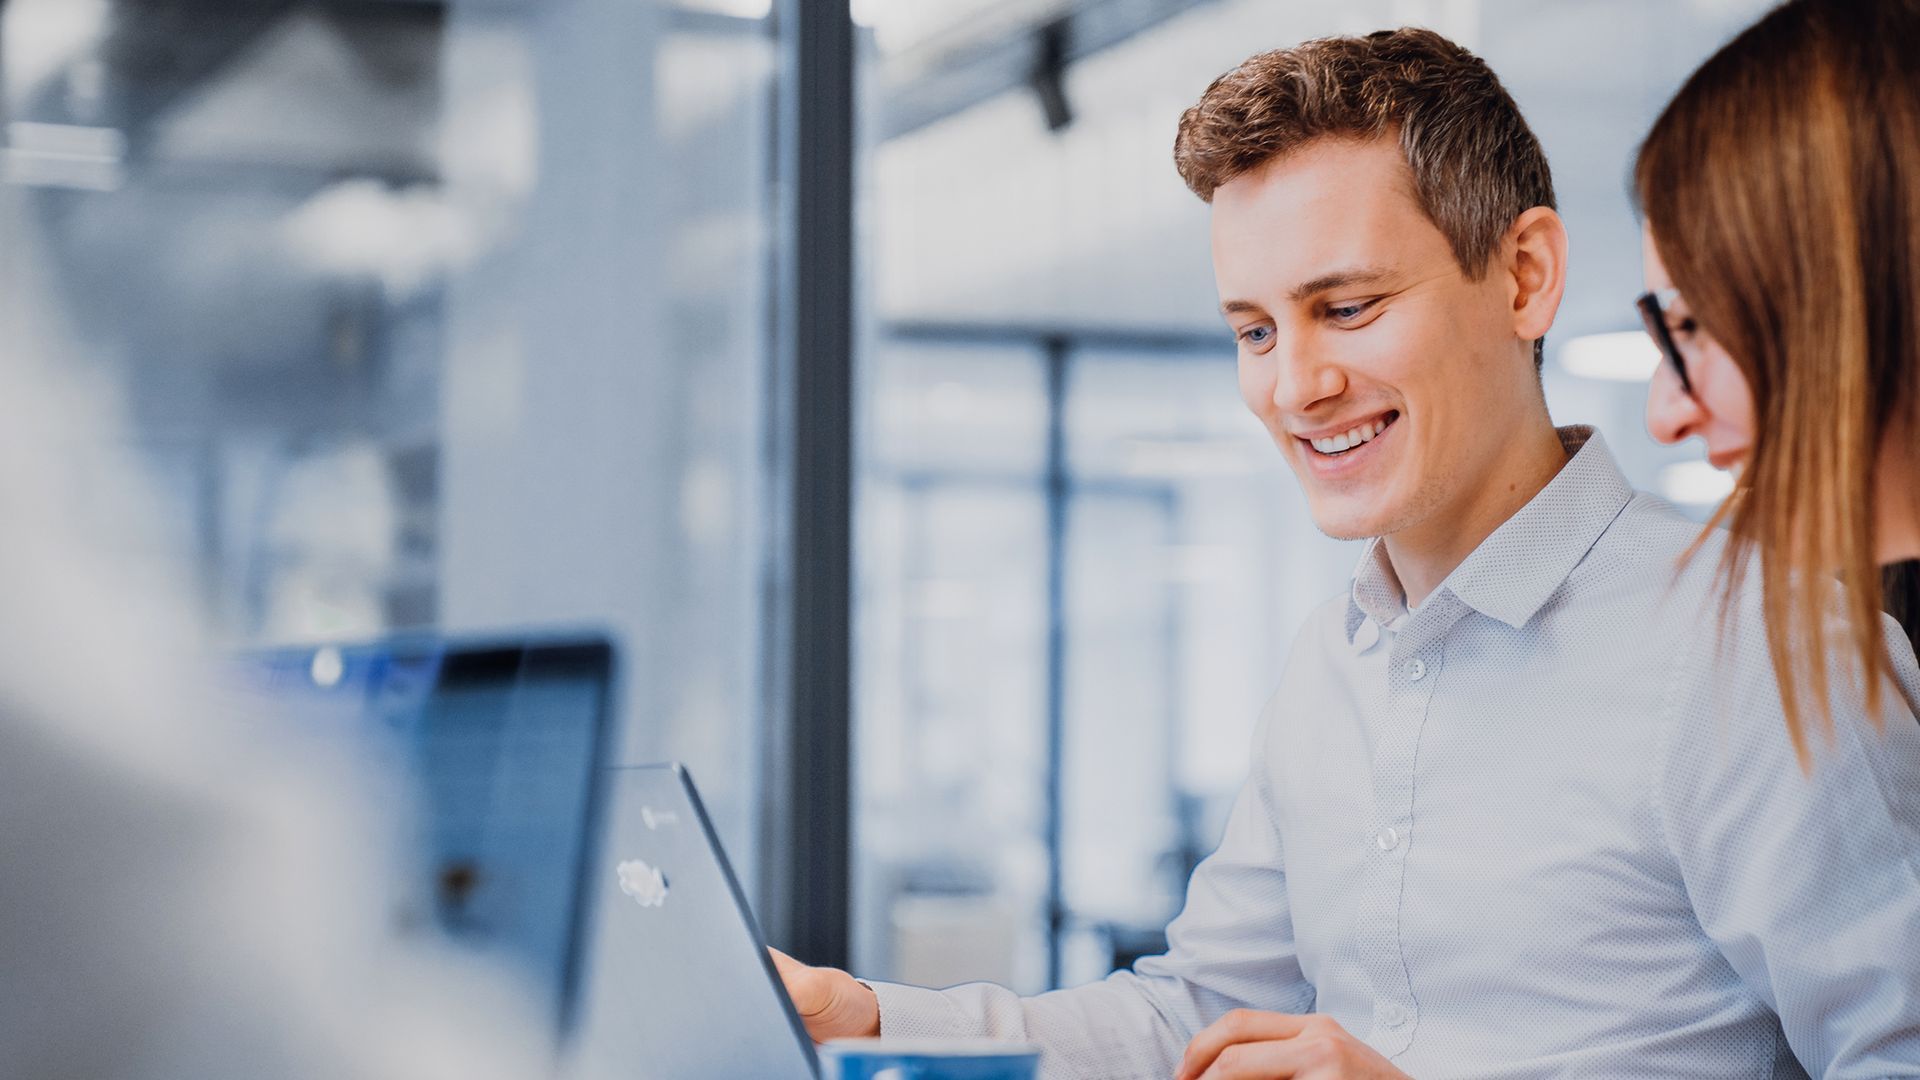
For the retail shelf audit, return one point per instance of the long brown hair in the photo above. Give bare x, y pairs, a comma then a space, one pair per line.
1782, 188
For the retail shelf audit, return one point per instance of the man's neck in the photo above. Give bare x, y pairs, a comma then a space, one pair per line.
1425, 554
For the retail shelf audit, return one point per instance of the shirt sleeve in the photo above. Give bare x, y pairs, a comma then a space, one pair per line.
1232, 947
1809, 883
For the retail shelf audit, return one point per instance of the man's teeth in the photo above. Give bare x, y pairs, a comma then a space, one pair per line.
1350, 439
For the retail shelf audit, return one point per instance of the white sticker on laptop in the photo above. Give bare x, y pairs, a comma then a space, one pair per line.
646, 884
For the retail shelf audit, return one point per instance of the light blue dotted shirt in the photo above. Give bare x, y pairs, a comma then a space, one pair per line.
1547, 824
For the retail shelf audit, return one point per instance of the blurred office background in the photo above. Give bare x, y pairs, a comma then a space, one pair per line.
492, 316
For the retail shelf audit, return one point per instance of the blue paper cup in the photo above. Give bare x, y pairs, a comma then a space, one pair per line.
930, 1059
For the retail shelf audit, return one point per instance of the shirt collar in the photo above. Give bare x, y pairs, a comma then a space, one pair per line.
1515, 570
1376, 591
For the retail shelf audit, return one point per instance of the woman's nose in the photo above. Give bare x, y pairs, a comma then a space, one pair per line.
1672, 413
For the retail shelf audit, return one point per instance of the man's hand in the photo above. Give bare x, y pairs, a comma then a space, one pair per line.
832, 1003
1249, 1045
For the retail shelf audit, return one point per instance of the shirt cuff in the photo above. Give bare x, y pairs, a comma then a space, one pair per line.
913, 1012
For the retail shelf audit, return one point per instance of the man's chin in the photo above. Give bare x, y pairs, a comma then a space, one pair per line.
1348, 522
1342, 531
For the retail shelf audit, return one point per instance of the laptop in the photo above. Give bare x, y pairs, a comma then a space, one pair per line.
679, 982
497, 748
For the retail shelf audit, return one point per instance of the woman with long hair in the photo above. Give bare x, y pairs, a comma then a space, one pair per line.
1781, 194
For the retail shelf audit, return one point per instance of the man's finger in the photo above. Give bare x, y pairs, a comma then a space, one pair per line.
809, 993
1282, 1059
1238, 1026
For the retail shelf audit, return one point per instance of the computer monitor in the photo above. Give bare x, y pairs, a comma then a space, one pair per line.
502, 744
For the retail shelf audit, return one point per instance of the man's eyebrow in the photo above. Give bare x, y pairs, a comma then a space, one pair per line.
1238, 307
1339, 279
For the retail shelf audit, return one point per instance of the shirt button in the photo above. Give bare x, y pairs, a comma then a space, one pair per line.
1416, 669
1387, 839
1392, 1015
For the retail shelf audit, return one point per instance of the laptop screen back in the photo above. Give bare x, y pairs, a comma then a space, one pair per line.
679, 985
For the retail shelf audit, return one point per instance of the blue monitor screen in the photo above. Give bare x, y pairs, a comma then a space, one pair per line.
501, 745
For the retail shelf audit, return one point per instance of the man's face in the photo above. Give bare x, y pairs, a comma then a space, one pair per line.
1389, 381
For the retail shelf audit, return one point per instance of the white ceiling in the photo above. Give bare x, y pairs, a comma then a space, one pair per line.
990, 217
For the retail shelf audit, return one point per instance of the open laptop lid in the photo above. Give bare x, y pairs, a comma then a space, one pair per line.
678, 982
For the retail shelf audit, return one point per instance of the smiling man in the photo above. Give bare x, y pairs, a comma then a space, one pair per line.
1516, 809
1400, 385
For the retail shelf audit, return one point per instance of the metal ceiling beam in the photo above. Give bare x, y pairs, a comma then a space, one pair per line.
919, 90
159, 51
1178, 341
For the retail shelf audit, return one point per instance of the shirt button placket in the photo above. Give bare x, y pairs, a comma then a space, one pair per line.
1410, 679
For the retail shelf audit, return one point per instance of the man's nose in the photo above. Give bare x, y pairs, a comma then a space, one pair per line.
1672, 413
1305, 377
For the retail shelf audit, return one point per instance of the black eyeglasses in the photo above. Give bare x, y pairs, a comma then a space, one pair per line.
1652, 307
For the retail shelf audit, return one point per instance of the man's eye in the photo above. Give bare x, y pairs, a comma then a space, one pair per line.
1256, 335
1348, 312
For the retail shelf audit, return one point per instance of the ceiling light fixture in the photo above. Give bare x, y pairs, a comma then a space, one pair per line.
1621, 356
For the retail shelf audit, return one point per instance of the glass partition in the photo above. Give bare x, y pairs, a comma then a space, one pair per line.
427, 316
951, 674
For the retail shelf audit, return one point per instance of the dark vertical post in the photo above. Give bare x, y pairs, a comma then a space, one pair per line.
805, 899
1056, 481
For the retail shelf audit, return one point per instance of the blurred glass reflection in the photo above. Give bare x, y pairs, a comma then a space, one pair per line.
951, 647
426, 316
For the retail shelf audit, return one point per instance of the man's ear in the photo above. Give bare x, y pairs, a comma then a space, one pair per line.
1536, 270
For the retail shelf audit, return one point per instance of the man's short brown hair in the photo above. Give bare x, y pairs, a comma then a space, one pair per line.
1476, 165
